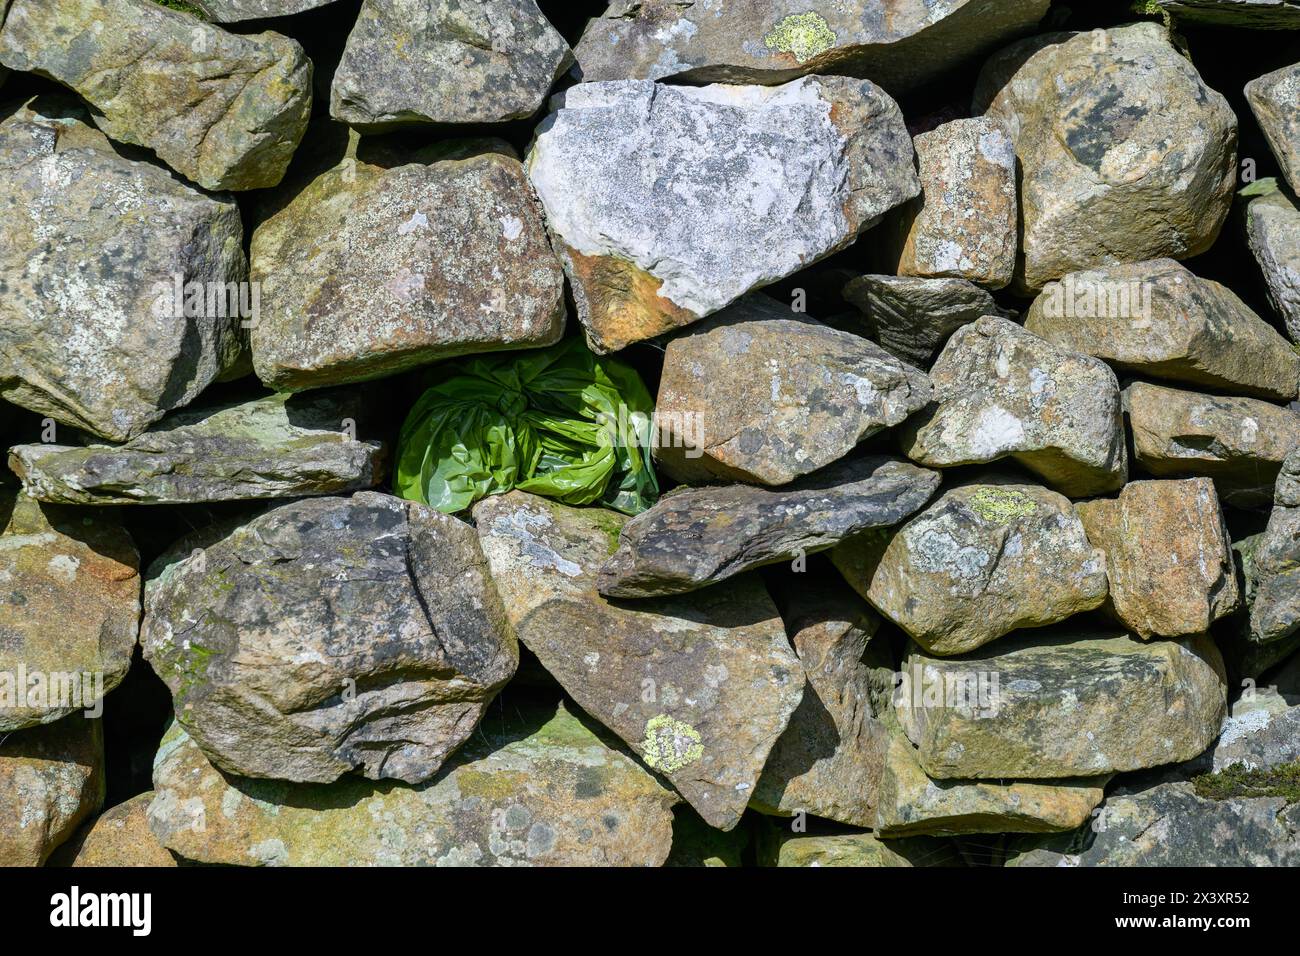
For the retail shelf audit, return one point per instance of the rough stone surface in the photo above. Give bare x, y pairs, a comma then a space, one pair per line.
699, 685
1273, 233
225, 110
912, 318
667, 203
327, 635
119, 836
1126, 154
536, 788
1000, 391
282, 446
698, 536
378, 266
1068, 702
982, 561
232, 11
963, 225
69, 613
1168, 556
855, 850
1240, 443
1254, 14
440, 61
92, 247
51, 779
1158, 319
1263, 731
1275, 612
770, 41
1275, 100
763, 395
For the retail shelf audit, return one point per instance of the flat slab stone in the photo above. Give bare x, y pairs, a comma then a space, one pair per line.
855, 850
232, 11
1275, 611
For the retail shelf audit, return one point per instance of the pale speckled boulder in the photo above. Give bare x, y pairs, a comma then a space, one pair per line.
1263, 730
51, 779
1000, 391
699, 685
378, 265
964, 224
536, 788
1168, 557
440, 61
224, 110
1158, 319
1126, 153
1250, 14
233, 11
329, 635
92, 246
1274, 98
982, 561
1275, 612
771, 41
1240, 443
280, 446
120, 836
1273, 234
860, 849
667, 203
761, 394
70, 611
1067, 702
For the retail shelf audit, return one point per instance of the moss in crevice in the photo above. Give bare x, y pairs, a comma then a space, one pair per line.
182, 7
1237, 781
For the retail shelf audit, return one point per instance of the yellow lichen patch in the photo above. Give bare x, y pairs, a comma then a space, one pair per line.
670, 744
802, 35
1001, 505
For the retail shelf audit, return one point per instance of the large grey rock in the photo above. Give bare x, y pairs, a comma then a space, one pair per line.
667, 203
1263, 731
699, 685
89, 332
1252, 14
70, 611
440, 61
761, 394
1240, 443
328, 635
1275, 612
1274, 98
771, 41
1126, 154
912, 318
1000, 391
281, 446
222, 109
982, 561
232, 11
1158, 319
698, 536
1273, 234
378, 265
535, 787
1067, 702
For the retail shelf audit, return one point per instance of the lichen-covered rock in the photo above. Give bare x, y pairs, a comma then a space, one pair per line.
535, 787
94, 246
1126, 154
51, 779
855, 850
281, 446
982, 561
1000, 391
1240, 443
1274, 98
912, 318
328, 635
232, 11
69, 613
699, 685
828, 762
1158, 319
1275, 612
1168, 556
698, 536
1263, 731
1252, 14
378, 265
764, 395
667, 203
771, 41
225, 110
438, 61
120, 836
1273, 234
1068, 702
963, 225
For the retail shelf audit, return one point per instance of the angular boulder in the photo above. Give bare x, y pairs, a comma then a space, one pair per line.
329, 635
1263, 730
667, 203
224, 110
1000, 391
1273, 234
118, 837
855, 850
1275, 612
761, 394
698, 536
699, 685
1274, 98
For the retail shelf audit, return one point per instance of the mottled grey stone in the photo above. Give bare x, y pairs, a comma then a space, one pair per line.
1263, 730
1274, 98
232, 11
1273, 234
1275, 613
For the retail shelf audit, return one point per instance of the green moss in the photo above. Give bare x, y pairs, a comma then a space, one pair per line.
1236, 781
804, 35
193, 667
1001, 505
182, 7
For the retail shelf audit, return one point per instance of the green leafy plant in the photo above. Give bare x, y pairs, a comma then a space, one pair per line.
1236, 781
